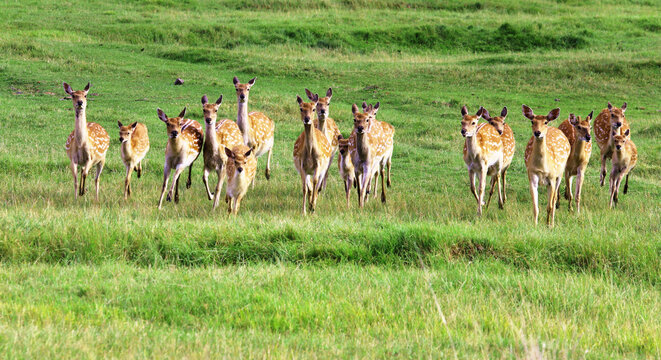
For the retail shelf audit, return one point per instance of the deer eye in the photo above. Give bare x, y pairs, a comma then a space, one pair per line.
546, 122
474, 122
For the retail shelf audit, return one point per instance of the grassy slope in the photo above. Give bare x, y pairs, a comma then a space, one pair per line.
421, 62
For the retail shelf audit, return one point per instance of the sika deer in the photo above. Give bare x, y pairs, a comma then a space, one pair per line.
347, 171
134, 141
609, 119
389, 131
577, 132
257, 129
87, 144
225, 134
326, 124
241, 168
625, 156
312, 152
546, 157
183, 148
483, 154
507, 137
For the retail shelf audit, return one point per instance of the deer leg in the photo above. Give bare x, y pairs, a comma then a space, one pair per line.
166, 176
85, 170
127, 181
316, 184
347, 189
330, 162
139, 169
556, 191
493, 183
304, 181
219, 185
237, 204
99, 169
365, 184
550, 207
189, 182
501, 202
388, 164
602, 173
504, 185
579, 184
534, 183
205, 180
618, 182
175, 184
471, 180
626, 183
482, 184
358, 187
176, 192
74, 172
267, 172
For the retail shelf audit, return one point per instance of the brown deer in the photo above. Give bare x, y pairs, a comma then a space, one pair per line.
577, 132
369, 145
389, 132
257, 129
87, 144
347, 171
625, 156
545, 157
609, 119
507, 137
312, 152
218, 135
183, 148
241, 168
134, 142
483, 154
326, 124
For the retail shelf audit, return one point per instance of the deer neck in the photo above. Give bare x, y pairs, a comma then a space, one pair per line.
127, 148
177, 145
579, 147
80, 130
472, 146
322, 122
539, 151
210, 136
243, 121
362, 146
310, 139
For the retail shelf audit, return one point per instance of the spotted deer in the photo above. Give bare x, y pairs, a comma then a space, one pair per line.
218, 135
347, 171
241, 168
577, 132
625, 156
389, 131
507, 137
134, 142
312, 153
326, 124
545, 157
369, 145
87, 144
609, 119
483, 154
257, 129
184, 145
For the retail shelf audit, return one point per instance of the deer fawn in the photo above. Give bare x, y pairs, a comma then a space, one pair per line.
577, 132
134, 142
347, 171
609, 119
483, 154
312, 153
546, 157
87, 144
369, 146
225, 134
241, 167
389, 132
257, 128
625, 156
326, 125
507, 137
183, 148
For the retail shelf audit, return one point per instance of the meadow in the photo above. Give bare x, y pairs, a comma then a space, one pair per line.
420, 276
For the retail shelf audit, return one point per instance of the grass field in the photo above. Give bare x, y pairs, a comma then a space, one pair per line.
419, 277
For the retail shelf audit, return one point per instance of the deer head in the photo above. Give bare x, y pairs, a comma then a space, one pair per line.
173, 124
79, 97
620, 140
210, 110
498, 122
307, 109
617, 115
469, 122
125, 132
582, 127
242, 90
240, 159
540, 122
361, 120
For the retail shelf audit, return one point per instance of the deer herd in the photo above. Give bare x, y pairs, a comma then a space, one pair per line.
230, 149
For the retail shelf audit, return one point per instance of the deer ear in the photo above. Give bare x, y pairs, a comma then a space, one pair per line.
299, 100
162, 116
573, 120
479, 113
205, 100
315, 98
624, 107
354, 109
87, 88
252, 81
248, 153
610, 106
627, 132
309, 94
329, 93
229, 152
614, 133
119, 123
464, 110
340, 137
219, 101
134, 125
527, 112
235, 80
67, 88
589, 117
485, 114
553, 114
504, 112
182, 113
364, 106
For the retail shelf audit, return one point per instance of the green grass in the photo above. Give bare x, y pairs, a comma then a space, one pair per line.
80, 277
